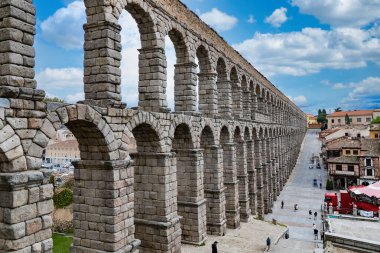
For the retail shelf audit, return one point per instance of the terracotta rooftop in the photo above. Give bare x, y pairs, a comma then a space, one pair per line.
64, 144
374, 127
351, 113
326, 132
343, 143
344, 159
370, 147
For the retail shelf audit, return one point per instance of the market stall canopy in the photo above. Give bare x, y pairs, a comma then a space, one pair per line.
372, 190
369, 194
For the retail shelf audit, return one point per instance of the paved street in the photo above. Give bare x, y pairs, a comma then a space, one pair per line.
300, 190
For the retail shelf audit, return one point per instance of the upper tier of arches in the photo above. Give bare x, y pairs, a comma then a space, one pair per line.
226, 84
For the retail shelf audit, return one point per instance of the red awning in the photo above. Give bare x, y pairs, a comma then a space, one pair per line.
369, 194
372, 190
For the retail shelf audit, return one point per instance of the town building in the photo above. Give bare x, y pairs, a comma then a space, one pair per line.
374, 131
353, 161
312, 122
335, 134
62, 153
356, 118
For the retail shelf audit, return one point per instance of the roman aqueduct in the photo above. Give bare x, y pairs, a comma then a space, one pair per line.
197, 170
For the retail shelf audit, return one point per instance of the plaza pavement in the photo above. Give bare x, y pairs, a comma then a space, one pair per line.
300, 190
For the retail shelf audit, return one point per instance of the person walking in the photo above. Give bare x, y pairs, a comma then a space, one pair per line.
315, 215
320, 185
295, 207
282, 204
268, 243
315, 234
322, 235
310, 213
214, 247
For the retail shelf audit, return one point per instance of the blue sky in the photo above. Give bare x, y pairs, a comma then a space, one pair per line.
321, 54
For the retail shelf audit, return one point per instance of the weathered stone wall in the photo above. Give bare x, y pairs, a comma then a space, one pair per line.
193, 173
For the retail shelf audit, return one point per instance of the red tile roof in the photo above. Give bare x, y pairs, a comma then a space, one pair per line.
351, 113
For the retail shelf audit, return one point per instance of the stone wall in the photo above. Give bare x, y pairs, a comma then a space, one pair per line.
193, 172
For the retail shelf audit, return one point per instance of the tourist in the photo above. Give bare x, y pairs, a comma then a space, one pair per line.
315, 234
310, 213
295, 207
315, 215
214, 247
322, 235
268, 243
320, 185
282, 204
314, 226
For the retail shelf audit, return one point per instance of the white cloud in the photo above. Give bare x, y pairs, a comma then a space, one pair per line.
218, 20
299, 100
277, 18
64, 28
365, 94
311, 50
60, 79
73, 98
339, 86
71, 37
341, 13
251, 19
130, 41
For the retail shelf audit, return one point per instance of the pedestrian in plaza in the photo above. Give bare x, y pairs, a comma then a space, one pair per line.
315, 234
282, 204
268, 243
295, 207
314, 226
310, 213
320, 185
315, 215
322, 235
214, 247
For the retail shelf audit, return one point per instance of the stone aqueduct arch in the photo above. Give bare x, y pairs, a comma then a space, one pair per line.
193, 172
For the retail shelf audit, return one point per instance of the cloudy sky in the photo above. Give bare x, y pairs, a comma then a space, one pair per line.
321, 54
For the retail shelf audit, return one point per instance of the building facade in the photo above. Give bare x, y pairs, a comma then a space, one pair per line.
62, 152
353, 161
374, 131
356, 118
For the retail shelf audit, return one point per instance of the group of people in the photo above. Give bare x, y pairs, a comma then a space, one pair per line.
269, 242
311, 213
315, 230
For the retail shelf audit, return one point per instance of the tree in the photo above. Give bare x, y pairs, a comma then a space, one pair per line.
321, 118
338, 109
329, 185
376, 121
347, 119
54, 99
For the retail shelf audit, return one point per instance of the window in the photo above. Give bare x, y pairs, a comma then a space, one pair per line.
358, 135
339, 120
369, 172
338, 167
332, 121
358, 120
355, 152
376, 135
350, 120
351, 167
368, 119
348, 152
345, 134
368, 162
